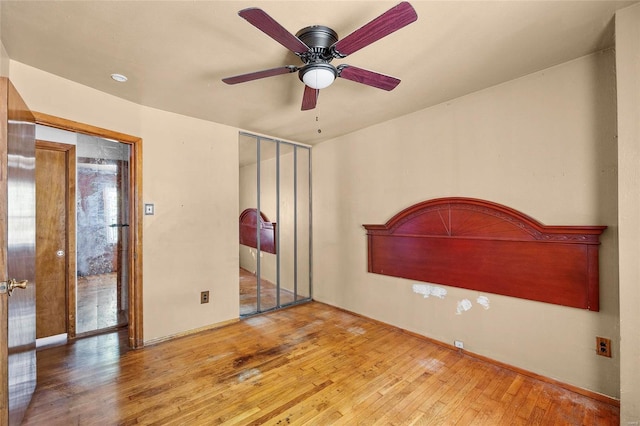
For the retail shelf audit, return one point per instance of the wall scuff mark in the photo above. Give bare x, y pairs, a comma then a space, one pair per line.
483, 301
429, 290
463, 306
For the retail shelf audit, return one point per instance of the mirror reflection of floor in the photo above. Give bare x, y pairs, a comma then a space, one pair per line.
268, 292
97, 303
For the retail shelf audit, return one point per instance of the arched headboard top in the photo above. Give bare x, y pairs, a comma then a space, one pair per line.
471, 217
484, 246
251, 223
251, 217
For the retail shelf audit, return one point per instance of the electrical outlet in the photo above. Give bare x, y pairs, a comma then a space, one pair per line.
603, 346
458, 344
204, 296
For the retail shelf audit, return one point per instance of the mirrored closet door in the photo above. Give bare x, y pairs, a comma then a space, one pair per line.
274, 219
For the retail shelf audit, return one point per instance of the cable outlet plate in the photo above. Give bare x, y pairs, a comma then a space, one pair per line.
458, 344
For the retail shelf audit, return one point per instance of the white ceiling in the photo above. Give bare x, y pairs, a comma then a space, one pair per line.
175, 54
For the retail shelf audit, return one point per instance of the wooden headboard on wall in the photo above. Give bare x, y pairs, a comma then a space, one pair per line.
250, 222
484, 246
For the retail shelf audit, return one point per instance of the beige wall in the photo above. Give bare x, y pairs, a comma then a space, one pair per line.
189, 245
544, 144
628, 66
4, 57
4, 62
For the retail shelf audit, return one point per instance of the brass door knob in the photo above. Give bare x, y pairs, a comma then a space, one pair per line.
13, 283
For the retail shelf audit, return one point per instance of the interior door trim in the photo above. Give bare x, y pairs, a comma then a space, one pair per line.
135, 201
70, 260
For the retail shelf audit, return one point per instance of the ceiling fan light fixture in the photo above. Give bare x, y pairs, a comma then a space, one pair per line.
318, 76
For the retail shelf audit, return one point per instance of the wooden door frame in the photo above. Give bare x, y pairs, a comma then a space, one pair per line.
135, 202
70, 223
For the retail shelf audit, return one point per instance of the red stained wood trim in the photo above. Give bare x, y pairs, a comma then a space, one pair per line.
480, 245
250, 221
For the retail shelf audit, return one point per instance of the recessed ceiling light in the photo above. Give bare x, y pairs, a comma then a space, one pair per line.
119, 78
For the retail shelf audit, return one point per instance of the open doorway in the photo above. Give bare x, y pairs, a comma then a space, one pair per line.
274, 220
104, 288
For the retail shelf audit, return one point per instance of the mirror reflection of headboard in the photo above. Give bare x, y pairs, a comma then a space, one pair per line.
250, 222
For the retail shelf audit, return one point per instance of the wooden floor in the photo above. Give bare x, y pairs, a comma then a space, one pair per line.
268, 294
309, 364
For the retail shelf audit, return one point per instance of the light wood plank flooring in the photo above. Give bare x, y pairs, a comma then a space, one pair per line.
309, 364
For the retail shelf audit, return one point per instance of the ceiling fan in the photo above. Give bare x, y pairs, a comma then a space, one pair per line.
318, 45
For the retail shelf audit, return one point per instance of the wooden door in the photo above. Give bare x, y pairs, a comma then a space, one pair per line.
17, 247
52, 249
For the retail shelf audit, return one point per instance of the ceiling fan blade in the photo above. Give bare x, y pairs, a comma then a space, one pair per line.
260, 74
265, 23
309, 98
392, 20
370, 78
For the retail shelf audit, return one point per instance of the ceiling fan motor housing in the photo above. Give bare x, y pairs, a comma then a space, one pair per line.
319, 39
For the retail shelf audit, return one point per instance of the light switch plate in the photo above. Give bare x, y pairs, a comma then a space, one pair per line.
148, 209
